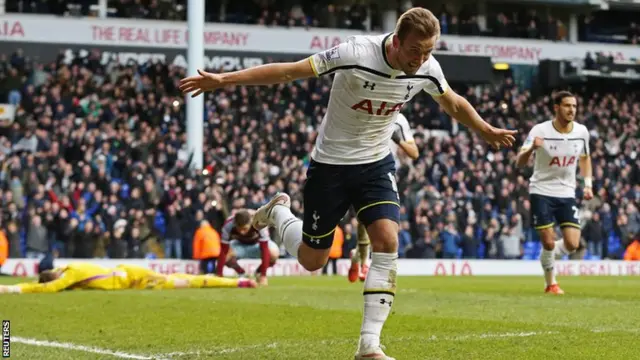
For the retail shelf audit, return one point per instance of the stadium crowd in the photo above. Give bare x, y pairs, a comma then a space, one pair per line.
95, 164
521, 21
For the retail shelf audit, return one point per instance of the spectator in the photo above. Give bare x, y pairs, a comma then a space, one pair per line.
404, 239
450, 241
4, 249
206, 247
469, 244
335, 252
173, 234
633, 251
37, 244
595, 235
510, 238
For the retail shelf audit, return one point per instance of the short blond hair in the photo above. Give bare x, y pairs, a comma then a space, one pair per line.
417, 20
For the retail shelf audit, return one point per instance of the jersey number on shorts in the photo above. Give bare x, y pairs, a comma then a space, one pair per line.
394, 185
576, 212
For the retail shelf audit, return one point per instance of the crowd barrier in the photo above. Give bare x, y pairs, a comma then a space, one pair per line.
406, 267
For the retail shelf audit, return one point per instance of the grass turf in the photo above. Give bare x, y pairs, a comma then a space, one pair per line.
319, 318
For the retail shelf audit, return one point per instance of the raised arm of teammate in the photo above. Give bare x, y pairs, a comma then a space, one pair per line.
460, 109
534, 141
403, 137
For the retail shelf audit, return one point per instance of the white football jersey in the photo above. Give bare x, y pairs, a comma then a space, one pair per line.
407, 135
366, 96
555, 164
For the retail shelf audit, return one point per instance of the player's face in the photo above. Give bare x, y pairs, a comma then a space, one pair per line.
243, 230
413, 52
567, 109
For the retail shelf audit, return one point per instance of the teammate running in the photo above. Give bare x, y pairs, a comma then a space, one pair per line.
557, 144
402, 139
241, 241
351, 161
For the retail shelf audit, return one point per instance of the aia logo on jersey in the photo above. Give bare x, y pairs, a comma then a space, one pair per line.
563, 161
384, 108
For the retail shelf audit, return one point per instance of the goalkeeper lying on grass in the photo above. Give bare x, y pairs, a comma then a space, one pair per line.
88, 276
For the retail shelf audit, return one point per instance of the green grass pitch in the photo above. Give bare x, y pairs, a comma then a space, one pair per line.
319, 318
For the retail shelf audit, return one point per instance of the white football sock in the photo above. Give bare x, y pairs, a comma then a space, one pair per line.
548, 261
288, 227
561, 249
379, 292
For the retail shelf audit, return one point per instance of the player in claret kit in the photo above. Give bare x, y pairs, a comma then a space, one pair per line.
240, 240
559, 146
351, 162
401, 140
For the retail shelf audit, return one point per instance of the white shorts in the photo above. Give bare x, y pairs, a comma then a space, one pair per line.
243, 251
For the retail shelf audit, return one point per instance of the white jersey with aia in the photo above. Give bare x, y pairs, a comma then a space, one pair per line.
554, 171
366, 96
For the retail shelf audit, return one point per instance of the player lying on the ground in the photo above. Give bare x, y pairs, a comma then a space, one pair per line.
87, 276
240, 240
402, 139
557, 145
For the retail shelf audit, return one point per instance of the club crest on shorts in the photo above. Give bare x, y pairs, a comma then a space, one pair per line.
316, 217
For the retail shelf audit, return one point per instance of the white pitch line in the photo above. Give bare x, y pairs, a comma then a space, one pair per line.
346, 341
75, 347
221, 351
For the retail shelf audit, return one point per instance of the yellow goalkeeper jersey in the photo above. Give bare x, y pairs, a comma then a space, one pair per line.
81, 276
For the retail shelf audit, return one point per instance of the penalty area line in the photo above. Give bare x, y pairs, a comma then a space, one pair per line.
83, 348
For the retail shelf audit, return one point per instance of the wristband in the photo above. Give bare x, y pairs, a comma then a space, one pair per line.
588, 182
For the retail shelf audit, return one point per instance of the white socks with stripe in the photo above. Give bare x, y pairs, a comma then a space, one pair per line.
379, 292
548, 261
289, 228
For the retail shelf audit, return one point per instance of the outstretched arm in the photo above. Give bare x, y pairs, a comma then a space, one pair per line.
316, 65
268, 74
66, 280
460, 109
